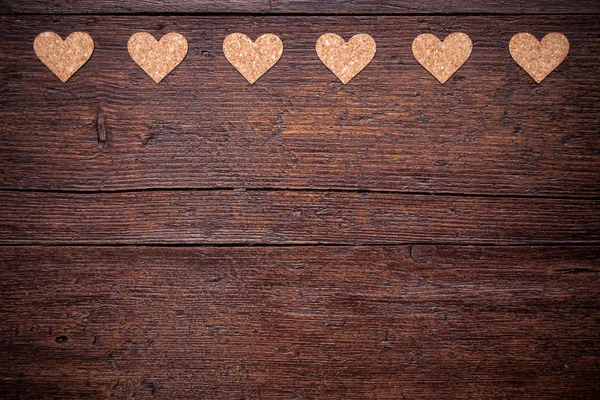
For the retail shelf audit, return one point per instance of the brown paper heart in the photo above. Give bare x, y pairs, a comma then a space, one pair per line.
157, 58
538, 59
346, 59
63, 58
252, 60
442, 59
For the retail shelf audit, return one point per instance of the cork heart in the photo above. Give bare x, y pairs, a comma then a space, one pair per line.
157, 58
538, 59
346, 59
252, 59
442, 59
63, 57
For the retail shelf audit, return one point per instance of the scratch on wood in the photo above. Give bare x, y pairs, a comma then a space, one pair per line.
101, 127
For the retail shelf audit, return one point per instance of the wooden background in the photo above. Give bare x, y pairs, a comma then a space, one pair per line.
300, 239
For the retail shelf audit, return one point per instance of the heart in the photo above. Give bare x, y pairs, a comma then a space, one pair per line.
538, 59
252, 60
63, 57
442, 59
157, 58
346, 60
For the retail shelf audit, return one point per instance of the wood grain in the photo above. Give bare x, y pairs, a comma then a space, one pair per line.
283, 217
301, 6
488, 130
124, 205
281, 323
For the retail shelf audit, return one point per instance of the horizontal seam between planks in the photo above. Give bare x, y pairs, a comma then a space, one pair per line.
295, 245
293, 14
302, 190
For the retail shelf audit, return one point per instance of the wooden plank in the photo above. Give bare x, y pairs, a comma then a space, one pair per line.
281, 217
489, 130
404, 7
304, 322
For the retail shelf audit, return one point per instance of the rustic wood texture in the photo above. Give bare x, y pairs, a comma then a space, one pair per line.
402, 239
489, 130
291, 217
300, 6
302, 322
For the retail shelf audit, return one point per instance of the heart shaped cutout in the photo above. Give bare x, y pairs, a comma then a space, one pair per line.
442, 59
157, 58
252, 59
538, 59
346, 59
63, 57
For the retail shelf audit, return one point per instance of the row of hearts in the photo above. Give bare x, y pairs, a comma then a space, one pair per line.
344, 59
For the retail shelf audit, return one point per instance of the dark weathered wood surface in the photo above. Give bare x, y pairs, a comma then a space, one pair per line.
490, 129
291, 217
461, 253
301, 6
302, 322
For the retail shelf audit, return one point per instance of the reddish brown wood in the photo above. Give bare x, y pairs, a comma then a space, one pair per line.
302, 6
300, 322
375, 319
291, 217
489, 130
